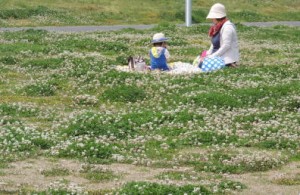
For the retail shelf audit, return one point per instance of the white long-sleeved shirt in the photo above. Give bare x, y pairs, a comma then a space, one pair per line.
229, 49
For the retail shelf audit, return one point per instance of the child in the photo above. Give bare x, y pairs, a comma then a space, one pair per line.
159, 53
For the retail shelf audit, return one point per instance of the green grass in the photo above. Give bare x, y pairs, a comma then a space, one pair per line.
218, 164
16, 110
288, 181
62, 97
56, 172
124, 93
154, 188
103, 12
98, 174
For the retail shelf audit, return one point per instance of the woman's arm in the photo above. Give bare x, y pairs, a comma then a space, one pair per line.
210, 50
226, 35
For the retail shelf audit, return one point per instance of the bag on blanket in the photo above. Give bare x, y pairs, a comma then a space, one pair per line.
197, 61
137, 63
211, 64
199, 58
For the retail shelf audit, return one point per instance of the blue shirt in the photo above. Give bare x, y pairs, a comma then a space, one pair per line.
215, 40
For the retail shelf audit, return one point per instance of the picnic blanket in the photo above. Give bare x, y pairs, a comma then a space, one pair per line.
175, 68
183, 68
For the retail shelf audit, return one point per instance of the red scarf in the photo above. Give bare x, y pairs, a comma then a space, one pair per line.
216, 28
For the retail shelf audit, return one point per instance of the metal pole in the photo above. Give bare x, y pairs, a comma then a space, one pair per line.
188, 13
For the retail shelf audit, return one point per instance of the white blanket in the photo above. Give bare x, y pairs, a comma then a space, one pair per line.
183, 68
175, 68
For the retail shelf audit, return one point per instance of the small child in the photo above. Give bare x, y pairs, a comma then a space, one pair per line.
159, 53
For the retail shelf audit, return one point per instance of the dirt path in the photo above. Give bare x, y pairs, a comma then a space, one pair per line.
28, 174
264, 183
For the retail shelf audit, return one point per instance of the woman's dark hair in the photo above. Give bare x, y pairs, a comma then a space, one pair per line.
220, 19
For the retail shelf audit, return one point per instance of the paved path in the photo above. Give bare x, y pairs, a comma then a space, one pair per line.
268, 24
119, 27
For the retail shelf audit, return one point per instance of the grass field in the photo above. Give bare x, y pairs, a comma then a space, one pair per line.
70, 123
62, 102
103, 12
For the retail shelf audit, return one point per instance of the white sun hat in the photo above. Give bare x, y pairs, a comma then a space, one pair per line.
158, 38
217, 11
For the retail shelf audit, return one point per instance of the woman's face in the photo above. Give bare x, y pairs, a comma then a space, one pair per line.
215, 21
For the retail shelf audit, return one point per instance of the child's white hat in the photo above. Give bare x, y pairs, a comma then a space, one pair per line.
217, 11
158, 38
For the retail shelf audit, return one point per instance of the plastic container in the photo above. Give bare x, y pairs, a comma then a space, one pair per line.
140, 66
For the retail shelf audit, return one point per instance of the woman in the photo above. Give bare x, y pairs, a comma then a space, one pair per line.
224, 41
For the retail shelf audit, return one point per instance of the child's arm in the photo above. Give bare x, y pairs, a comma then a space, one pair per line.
167, 54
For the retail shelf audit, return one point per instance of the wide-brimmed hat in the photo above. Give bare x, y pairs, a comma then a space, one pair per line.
159, 38
217, 11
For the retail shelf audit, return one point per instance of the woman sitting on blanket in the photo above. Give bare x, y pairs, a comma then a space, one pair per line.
224, 41
159, 53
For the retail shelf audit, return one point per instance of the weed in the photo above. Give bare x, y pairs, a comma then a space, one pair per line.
93, 12
256, 117
124, 93
40, 89
55, 172
2, 173
165, 27
29, 36
18, 110
295, 180
85, 100
94, 151
279, 144
51, 63
97, 174
231, 163
216, 99
199, 15
8, 60
42, 143
232, 185
154, 188
177, 175
25, 13
209, 138
249, 16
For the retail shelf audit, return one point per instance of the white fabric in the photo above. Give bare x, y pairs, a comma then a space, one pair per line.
177, 68
159, 37
183, 68
123, 68
217, 11
167, 54
229, 49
